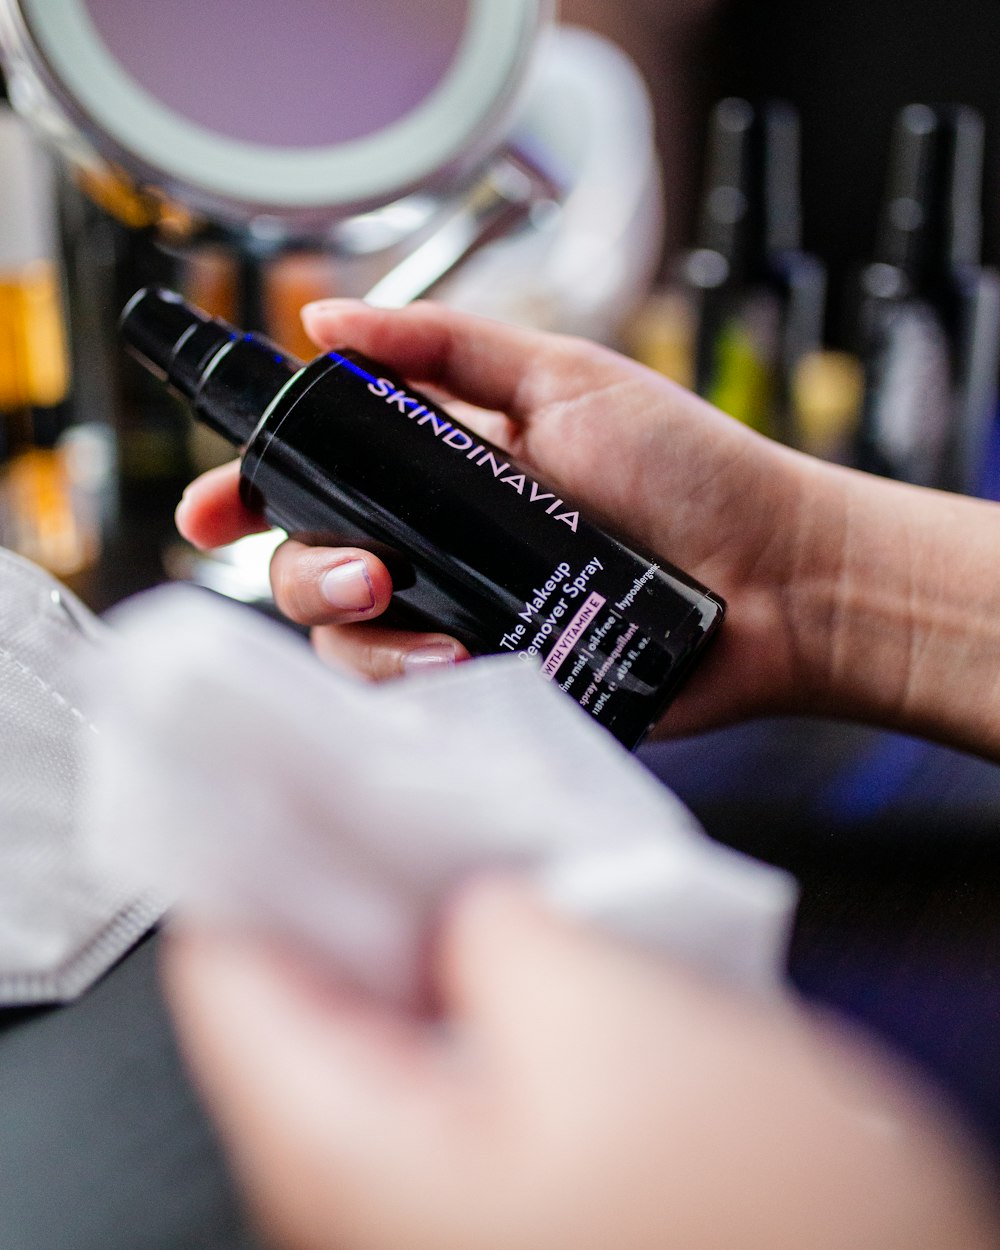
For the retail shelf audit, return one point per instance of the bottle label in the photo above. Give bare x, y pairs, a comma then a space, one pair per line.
481, 548
582, 639
458, 439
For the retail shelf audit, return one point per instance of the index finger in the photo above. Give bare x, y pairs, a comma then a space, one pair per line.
487, 363
211, 512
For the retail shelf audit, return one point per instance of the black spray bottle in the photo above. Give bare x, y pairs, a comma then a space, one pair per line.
340, 451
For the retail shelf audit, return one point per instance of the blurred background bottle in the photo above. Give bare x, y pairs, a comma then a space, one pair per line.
54, 472
929, 312
748, 303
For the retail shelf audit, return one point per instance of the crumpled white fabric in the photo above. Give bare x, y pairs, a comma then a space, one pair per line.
63, 921
263, 790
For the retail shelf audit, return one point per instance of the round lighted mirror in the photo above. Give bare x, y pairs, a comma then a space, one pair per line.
292, 108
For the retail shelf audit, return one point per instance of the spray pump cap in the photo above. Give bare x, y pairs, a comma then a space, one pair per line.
183, 346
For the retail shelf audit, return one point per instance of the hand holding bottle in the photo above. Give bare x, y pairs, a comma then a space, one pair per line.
847, 594
635, 449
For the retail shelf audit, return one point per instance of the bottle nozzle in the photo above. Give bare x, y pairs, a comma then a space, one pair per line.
158, 324
182, 345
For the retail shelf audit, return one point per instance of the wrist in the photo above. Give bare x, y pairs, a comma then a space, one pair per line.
894, 607
772, 545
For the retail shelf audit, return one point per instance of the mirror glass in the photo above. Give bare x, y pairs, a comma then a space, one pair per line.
297, 80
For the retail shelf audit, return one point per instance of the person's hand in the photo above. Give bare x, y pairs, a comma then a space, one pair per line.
578, 1096
848, 595
656, 464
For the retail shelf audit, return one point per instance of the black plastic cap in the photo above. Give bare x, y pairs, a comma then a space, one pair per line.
156, 323
752, 206
230, 377
932, 218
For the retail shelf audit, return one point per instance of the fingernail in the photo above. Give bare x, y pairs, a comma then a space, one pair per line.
320, 306
181, 511
348, 587
435, 655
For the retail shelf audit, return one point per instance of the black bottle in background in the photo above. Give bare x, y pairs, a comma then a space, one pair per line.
340, 451
929, 318
760, 298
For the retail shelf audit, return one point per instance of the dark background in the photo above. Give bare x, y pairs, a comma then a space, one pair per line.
849, 67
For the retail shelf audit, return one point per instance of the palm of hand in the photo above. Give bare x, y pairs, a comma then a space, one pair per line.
671, 474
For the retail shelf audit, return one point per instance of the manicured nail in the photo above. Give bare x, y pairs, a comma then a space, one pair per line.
318, 307
348, 587
182, 511
436, 655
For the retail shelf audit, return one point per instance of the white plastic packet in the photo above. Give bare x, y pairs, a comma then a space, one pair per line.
262, 790
63, 921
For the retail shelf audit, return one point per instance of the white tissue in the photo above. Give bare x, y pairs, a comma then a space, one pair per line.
260, 789
63, 921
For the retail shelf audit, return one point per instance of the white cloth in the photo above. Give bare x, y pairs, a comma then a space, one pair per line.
263, 790
63, 921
